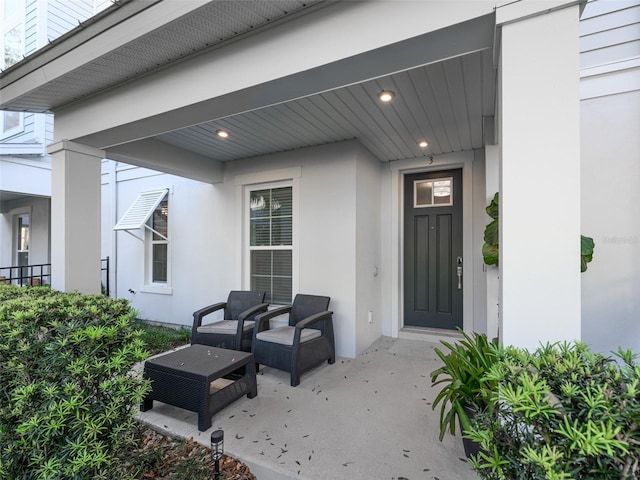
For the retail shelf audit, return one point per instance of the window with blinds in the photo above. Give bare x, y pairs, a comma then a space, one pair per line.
271, 243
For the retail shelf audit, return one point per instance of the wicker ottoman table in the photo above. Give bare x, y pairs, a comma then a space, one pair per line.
200, 379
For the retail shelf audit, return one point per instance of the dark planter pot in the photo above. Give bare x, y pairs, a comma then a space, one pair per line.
471, 448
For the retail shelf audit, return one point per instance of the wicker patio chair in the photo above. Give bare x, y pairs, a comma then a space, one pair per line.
235, 330
305, 343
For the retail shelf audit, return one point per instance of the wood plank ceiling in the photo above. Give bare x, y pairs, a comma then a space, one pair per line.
443, 103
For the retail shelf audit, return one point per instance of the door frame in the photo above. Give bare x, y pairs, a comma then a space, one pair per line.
13, 215
464, 161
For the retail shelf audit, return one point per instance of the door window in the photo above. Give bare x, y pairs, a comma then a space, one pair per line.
433, 193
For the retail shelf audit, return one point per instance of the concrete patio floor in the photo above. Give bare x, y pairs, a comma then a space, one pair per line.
366, 418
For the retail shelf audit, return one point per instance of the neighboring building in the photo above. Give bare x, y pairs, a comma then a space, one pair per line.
610, 172
25, 167
322, 189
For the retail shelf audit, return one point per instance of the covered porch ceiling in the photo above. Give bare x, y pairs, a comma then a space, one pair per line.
444, 84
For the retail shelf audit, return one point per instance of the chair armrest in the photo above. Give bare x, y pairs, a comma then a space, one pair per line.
198, 315
263, 318
250, 312
315, 318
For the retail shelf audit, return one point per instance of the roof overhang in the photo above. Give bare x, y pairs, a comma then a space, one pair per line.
439, 57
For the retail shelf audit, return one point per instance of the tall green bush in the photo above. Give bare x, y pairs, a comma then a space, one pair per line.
561, 412
67, 395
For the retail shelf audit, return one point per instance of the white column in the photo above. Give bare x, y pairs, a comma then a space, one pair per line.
75, 217
540, 180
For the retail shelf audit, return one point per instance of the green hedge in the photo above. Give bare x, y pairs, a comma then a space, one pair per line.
562, 412
67, 395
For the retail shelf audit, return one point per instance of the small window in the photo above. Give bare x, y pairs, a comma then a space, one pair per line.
436, 192
11, 123
13, 42
12, 46
271, 243
159, 243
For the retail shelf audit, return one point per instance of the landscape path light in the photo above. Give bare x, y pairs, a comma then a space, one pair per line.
217, 450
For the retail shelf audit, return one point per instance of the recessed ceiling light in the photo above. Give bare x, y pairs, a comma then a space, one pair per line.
222, 133
423, 144
386, 96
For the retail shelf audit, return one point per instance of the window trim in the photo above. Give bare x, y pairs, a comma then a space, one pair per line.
13, 131
246, 240
148, 285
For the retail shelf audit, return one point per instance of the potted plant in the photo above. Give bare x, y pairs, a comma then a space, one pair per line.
464, 389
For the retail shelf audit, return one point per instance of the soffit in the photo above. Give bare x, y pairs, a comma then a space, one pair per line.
443, 103
206, 27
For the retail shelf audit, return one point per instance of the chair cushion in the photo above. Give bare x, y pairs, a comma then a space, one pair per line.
284, 335
225, 327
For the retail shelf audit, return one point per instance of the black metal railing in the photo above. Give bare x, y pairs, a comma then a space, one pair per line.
37, 274
40, 274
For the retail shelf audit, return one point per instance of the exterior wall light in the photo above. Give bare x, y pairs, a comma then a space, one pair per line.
386, 96
217, 450
222, 133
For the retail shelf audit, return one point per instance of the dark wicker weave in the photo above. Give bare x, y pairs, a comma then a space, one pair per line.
183, 378
241, 306
307, 311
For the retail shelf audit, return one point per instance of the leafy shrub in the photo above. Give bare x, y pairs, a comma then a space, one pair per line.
562, 412
491, 247
462, 378
67, 396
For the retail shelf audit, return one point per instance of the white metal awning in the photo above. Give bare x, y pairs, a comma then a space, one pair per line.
140, 210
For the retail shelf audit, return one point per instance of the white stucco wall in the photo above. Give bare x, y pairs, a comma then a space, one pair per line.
338, 228
367, 250
200, 232
540, 180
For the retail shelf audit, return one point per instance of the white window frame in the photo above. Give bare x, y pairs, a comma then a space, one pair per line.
8, 24
12, 131
247, 216
15, 214
433, 194
288, 177
150, 286
247, 182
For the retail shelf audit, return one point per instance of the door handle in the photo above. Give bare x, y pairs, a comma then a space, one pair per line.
459, 272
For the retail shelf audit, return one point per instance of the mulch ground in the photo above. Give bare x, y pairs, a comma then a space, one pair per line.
159, 457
